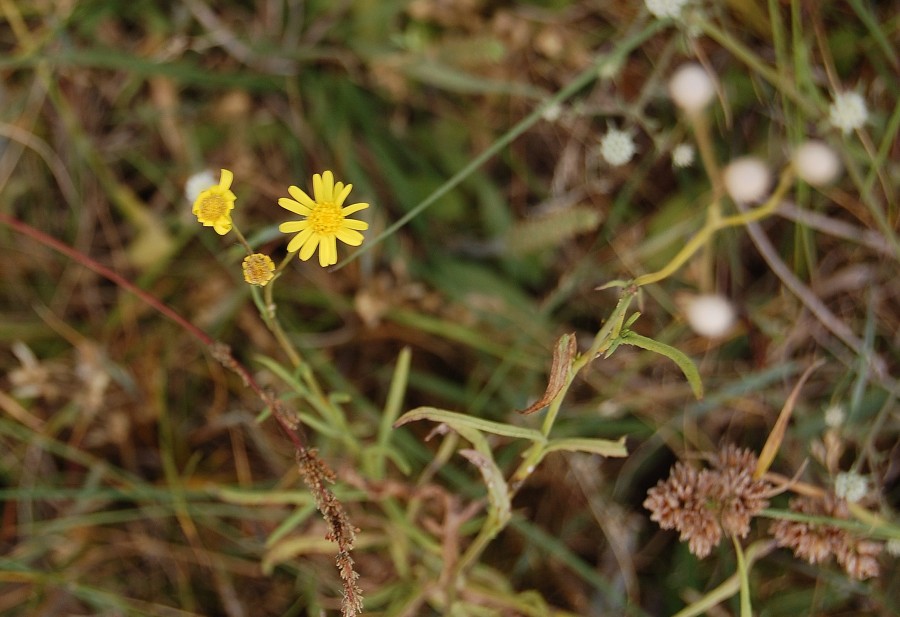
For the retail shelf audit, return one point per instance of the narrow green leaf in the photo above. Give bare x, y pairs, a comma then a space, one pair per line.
603, 447
675, 355
498, 491
283, 374
391, 410
457, 420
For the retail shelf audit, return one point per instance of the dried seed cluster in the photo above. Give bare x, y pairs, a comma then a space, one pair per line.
816, 543
701, 505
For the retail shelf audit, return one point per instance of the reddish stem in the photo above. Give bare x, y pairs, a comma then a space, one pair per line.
218, 350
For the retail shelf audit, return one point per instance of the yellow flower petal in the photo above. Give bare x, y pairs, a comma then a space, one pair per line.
341, 194
348, 210
294, 206
293, 226
327, 186
348, 236
223, 226
318, 191
327, 251
299, 240
226, 179
354, 224
301, 197
309, 247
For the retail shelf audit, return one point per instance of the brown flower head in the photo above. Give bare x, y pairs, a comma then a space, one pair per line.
739, 496
701, 505
817, 542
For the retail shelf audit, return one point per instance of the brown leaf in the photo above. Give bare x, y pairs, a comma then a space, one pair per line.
776, 436
563, 356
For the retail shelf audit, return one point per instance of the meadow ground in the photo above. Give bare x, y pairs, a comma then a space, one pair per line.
606, 325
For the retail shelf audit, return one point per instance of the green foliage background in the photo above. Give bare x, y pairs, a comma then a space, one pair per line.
137, 476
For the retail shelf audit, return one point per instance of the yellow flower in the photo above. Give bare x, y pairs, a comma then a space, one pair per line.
213, 206
258, 269
325, 219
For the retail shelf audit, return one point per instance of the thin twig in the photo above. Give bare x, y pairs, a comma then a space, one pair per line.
812, 302
836, 228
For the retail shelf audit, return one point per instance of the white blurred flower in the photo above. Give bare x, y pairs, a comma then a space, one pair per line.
691, 88
834, 416
747, 179
710, 315
892, 546
665, 8
683, 155
848, 112
552, 113
816, 162
850, 486
198, 183
617, 147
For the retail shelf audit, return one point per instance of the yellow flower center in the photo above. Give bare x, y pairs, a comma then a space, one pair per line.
258, 269
326, 218
213, 206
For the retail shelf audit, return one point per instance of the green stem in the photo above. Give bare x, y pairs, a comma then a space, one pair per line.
757, 66
713, 225
605, 336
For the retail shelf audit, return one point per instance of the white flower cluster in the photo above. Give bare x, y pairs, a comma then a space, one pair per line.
683, 155
664, 9
893, 547
617, 147
848, 112
834, 416
850, 486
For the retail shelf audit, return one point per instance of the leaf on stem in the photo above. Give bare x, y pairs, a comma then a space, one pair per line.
675, 355
603, 447
498, 491
460, 422
563, 356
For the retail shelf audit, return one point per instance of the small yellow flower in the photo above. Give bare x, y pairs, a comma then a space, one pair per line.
258, 269
325, 219
213, 206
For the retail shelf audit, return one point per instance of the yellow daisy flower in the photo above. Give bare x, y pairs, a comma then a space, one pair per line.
213, 206
258, 269
325, 219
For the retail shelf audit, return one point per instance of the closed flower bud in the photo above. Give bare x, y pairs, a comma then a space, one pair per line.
816, 163
747, 179
711, 315
691, 88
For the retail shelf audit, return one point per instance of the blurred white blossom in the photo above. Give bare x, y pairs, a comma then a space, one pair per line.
848, 112
617, 147
665, 8
850, 486
683, 155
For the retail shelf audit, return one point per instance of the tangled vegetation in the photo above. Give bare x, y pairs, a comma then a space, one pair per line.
543, 308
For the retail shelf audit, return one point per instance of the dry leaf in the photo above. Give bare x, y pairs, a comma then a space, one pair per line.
563, 356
